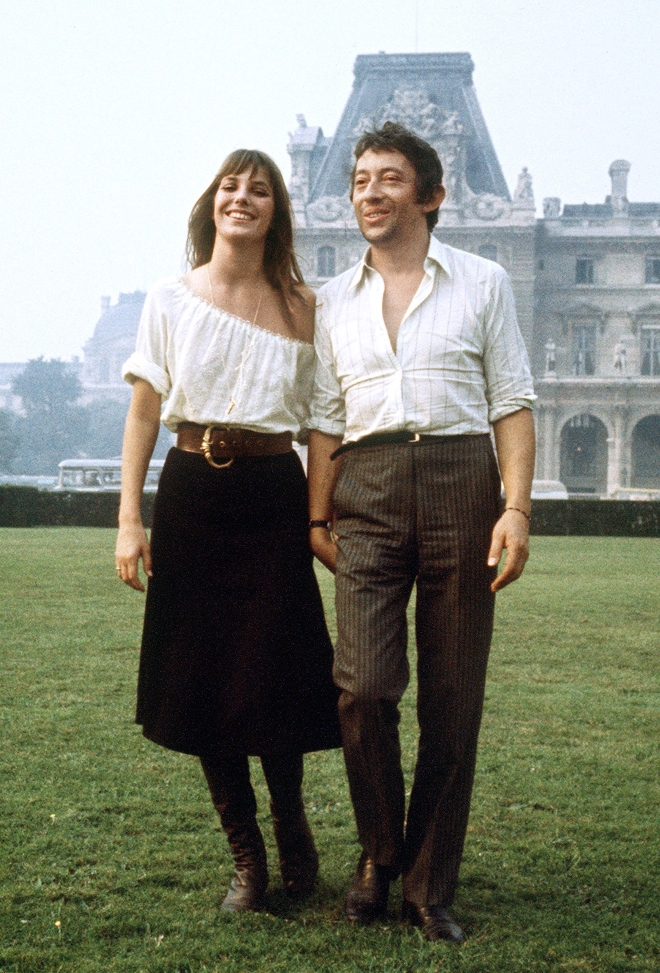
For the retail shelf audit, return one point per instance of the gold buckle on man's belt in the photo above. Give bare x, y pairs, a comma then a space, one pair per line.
206, 448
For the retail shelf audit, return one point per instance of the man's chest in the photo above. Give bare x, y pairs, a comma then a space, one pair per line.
438, 334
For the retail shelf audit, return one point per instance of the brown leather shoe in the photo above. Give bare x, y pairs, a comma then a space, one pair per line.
247, 887
367, 896
434, 921
299, 860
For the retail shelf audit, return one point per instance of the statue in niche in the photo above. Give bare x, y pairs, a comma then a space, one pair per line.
620, 353
524, 191
550, 359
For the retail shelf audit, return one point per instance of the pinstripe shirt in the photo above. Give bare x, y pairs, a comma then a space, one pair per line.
460, 362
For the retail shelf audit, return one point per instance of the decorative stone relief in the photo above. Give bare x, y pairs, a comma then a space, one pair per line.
412, 108
330, 210
487, 206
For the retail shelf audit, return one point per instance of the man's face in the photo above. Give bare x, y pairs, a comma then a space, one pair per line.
385, 197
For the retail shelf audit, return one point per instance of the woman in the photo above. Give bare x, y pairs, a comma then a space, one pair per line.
236, 658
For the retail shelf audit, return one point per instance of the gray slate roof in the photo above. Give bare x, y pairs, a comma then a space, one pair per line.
447, 81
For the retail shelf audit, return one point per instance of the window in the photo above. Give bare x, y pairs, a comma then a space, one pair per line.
325, 259
653, 269
489, 251
584, 349
651, 351
584, 271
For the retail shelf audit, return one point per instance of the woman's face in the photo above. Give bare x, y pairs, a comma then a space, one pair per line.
244, 205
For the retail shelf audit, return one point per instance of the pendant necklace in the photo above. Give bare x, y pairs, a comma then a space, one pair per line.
246, 351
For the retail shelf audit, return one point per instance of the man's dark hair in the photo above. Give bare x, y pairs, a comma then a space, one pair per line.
393, 137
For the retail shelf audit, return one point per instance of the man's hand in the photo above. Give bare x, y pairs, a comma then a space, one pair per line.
132, 544
324, 547
511, 532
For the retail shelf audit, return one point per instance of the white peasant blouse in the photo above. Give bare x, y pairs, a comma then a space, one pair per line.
212, 367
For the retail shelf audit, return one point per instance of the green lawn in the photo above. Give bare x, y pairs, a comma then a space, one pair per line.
112, 859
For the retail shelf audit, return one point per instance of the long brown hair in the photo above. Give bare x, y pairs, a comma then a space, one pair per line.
280, 263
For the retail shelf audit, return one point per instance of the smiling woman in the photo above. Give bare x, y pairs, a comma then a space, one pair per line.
236, 658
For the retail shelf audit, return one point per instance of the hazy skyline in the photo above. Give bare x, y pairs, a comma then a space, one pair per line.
116, 116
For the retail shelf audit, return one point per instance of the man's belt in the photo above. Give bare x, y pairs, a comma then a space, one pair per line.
222, 444
386, 439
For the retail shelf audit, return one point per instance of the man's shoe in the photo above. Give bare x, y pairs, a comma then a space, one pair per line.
367, 896
434, 921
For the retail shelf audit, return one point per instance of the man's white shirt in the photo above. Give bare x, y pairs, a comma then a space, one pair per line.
460, 362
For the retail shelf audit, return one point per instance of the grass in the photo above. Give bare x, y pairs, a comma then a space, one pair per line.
111, 857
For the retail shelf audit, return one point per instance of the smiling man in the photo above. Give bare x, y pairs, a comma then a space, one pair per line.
419, 356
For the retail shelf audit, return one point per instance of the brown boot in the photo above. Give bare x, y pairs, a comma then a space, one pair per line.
299, 860
247, 887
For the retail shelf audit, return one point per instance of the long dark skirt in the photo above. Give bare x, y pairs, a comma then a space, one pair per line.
236, 656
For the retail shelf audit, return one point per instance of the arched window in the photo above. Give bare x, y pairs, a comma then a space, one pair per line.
583, 461
646, 453
325, 262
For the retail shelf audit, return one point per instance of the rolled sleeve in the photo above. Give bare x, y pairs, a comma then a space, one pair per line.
138, 366
327, 408
509, 385
149, 360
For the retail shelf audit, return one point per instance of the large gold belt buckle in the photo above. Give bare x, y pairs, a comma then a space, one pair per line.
206, 448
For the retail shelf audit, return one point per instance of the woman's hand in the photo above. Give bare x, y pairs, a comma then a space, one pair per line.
132, 544
324, 547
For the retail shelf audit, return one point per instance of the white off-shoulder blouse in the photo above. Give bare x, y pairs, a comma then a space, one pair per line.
212, 367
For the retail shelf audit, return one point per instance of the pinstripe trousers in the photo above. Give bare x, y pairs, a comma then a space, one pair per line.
414, 514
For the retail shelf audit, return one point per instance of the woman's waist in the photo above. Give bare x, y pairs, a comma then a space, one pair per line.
221, 444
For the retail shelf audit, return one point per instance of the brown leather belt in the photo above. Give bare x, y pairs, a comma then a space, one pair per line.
222, 444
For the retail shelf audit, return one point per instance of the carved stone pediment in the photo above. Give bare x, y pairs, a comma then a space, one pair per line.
331, 210
412, 108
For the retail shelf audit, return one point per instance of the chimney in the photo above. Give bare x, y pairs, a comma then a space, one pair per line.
105, 304
618, 172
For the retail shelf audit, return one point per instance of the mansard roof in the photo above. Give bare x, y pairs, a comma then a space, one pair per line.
443, 82
605, 210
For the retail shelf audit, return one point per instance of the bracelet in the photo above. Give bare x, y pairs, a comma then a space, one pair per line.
518, 510
325, 524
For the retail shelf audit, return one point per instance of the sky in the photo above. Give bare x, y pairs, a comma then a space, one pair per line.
116, 114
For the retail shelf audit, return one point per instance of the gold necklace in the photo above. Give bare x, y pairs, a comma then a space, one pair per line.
246, 351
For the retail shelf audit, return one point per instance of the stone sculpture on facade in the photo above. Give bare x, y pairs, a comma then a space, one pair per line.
524, 191
551, 207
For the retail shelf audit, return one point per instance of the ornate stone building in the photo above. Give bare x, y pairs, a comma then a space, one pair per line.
597, 341
586, 278
111, 344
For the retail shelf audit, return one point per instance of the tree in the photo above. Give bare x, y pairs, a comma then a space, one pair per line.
9, 440
105, 428
53, 427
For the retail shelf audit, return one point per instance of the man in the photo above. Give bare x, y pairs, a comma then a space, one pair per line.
419, 355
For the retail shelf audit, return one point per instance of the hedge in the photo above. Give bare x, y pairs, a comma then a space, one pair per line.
22, 506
